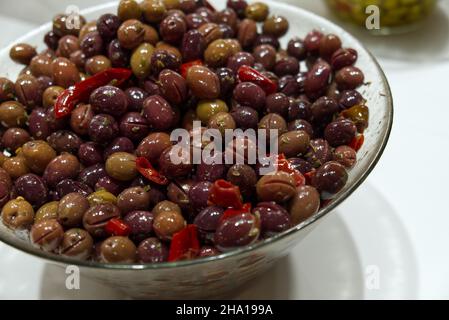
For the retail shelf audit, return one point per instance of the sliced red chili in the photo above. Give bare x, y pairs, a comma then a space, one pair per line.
248, 74
186, 66
117, 227
246, 208
184, 244
225, 194
357, 142
283, 164
146, 169
68, 99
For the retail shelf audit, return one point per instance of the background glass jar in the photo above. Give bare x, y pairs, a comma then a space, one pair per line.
395, 15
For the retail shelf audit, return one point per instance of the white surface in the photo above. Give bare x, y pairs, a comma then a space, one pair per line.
395, 223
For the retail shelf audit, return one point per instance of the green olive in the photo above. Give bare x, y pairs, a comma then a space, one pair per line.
257, 11
359, 114
153, 10
101, 196
275, 26
140, 60
122, 166
18, 214
207, 108
47, 211
129, 9
171, 4
221, 121
219, 51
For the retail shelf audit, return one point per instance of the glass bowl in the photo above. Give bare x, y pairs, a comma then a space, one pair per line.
216, 276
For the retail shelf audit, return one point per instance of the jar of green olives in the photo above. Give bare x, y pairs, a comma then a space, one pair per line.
383, 16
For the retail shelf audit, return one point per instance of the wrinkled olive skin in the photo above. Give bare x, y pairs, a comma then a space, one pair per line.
304, 204
64, 141
71, 209
17, 214
77, 243
28, 91
173, 86
117, 250
97, 216
47, 234
319, 152
278, 187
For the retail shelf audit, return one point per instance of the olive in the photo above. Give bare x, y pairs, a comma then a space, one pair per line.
103, 128
107, 26
67, 45
152, 146
80, 118
22, 53
293, 143
47, 211
207, 108
175, 162
97, 216
14, 138
340, 132
152, 250
71, 209
118, 55
64, 141
7, 91
101, 196
331, 177
133, 199
273, 121
203, 83
135, 96
178, 191
304, 204
87, 28
244, 177
328, 45
97, 64
131, 33
348, 78
300, 124
15, 167
345, 155
37, 155
172, 29
51, 40
276, 26
279, 187
221, 121
64, 166
319, 153
265, 54
64, 24
65, 73
247, 32
173, 86
158, 112
77, 243
167, 223
121, 166
67, 186
140, 60
28, 91
32, 188
257, 11
120, 144
40, 65
50, 95
236, 231
140, 223
250, 94
165, 206
118, 249
218, 51
129, 9
151, 35
273, 218
47, 234
18, 214
153, 10
343, 57
359, 115
323, 109
192, 46
245, 117
110, 100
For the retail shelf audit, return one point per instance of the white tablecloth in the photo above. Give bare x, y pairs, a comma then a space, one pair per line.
396, 223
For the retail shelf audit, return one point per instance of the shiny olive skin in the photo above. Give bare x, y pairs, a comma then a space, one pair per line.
172, 29
169, 168
218, 51
77, 243
48, 210
227, 81
117, 250
343, 57
140, 223
245, 117
203, 83
158, 112
47, 234
164, 59
7, 91
340, 132
257, 11
193, 45
129, 9
152, 250
286, 66
329, 43
135, 96
14, 138
240, 59
67, 45
300, 124
278, 103
121, 166
140, 60
28, 91
90, 153
296, 48
120, 144
107, 26
62, 28
65, 72
110, 100
273, 218
244, 177
101, 196
37, 154
207, 108
167, 223
247, 32
265, 54
131, 34
208, 219
278, 187
178, 191
67, 186
293, 143
237, 231
221, 121
97, 216
152, 146
276, 26
345, 155
298, 109
165, 205
51, 40
80, 118
249, 94
304, 204
17, 214
133, 126
15, 167
317, 79
272, 121
323, 109
64, 141
97, 64
22, 53
133, 199
331, 177
91, 174
199, 195
32, 188
319, 153
172, 86
64, 166
349, 78
40, 65
117, 54
50, 95
103, 128
359, 115
71, 209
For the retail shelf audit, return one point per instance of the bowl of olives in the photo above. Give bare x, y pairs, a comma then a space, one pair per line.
88, 169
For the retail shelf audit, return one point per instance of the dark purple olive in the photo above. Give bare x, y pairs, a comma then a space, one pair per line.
103, 128
236, 231
273, 218
135, 96
227, 81
90, 153
244, 177
289, 86
68, 186
90, 175
92, 44
322, 110
65, 141
152, 250
350, 98
120, 144
331, 177
158, 112
199, 194
118, 55
163, 59
319, 152
245, 117
32, 188
340, 132
317, 79
107, 26
298, 109
301, 165
109, 184
133, 126
193, 45
301, 124
240, 59
207, 221
249, 94
110, 100
210, 172
14, 138
278, 103
140, 223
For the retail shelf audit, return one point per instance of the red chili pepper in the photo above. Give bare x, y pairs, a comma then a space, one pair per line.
283, 164
225, 194
246, 73
146, 169
246, 208
68, 99
357, 142
186, 66
184, 244
117, 227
